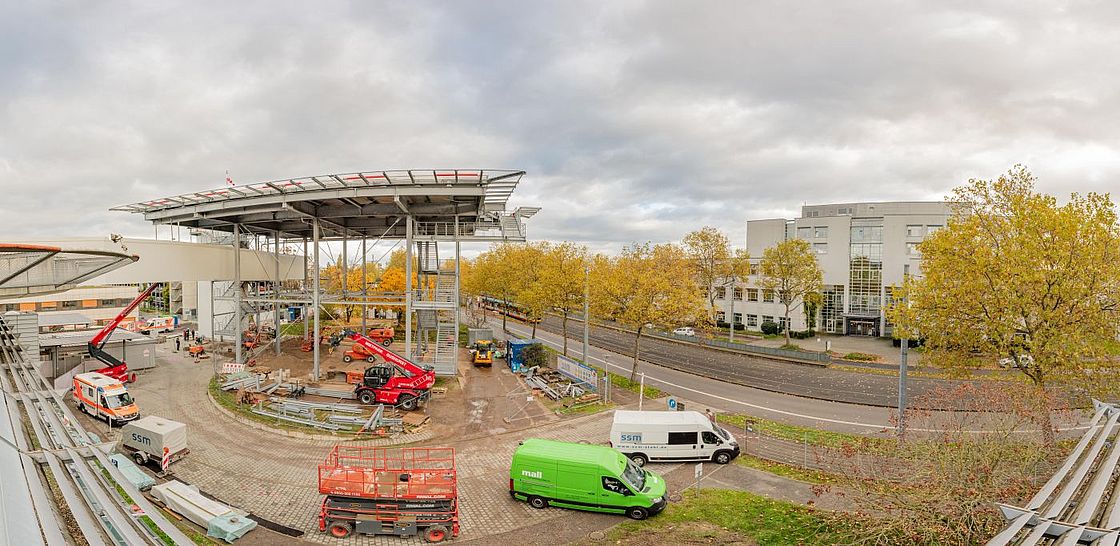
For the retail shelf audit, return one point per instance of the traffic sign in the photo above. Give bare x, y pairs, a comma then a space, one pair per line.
672, 403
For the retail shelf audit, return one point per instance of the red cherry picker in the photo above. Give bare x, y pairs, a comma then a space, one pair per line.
117, 369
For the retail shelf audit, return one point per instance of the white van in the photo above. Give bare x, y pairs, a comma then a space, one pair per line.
671, 436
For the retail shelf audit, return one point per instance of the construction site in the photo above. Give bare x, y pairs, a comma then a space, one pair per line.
141, 432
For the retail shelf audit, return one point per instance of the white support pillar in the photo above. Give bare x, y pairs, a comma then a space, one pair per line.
237, 293
458, 282
364, 308
342, 263
315, 299
408, 287
306, 285
276, 293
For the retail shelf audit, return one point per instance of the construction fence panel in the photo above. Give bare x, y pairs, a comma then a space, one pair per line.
578, 371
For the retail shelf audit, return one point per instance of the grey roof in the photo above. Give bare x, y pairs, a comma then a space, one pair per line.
362, 204
34, 269
81, 337
1080, 504
63, 319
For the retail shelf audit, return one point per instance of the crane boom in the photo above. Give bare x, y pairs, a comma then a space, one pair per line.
96, 344
424, 377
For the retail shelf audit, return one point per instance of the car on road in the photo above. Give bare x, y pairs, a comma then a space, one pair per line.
685, 331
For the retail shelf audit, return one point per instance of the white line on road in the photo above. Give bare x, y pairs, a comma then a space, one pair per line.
763, 408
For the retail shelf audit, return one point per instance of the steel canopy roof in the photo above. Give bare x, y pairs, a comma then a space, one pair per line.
35, 269
359, 204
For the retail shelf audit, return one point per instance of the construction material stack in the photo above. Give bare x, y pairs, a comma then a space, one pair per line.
379, 491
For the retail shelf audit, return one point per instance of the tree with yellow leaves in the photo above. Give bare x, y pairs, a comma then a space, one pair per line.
646, 286
557, 283
791, 271
710, 259
332, 280
1017, 276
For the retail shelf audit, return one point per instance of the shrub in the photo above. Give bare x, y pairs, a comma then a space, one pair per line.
791, 347
770, 328
863, 357
804, 334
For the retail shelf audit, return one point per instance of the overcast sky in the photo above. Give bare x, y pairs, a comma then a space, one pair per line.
635, 121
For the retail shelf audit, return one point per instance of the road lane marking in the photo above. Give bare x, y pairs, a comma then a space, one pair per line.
763, 408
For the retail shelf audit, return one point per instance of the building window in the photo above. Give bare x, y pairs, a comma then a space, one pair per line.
752, 321
752, 294
70, 304
738, 294
804, 232
814, 213
754, 269
767, 318
820, 248
832, 309
844, 211
820, 232
865, 270
783, 323
720, 316
915, 231
912, 249
738, 318
930, 230
767, 296
721, 293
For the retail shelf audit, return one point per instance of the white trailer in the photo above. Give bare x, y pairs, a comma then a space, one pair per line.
671, 436
151, 438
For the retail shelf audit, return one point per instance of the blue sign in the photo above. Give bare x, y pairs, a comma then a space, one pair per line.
672, 403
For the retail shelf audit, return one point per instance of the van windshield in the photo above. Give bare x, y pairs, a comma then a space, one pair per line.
721, 432
634, 476
119, 400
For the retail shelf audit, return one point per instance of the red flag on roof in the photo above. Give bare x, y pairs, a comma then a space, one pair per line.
228, 179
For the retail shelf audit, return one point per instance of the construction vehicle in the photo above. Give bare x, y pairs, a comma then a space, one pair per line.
378, 491
398, 382
116, 369
482, 353
104, 397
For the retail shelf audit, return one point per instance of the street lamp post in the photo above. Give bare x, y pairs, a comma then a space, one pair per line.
586, 307
902, 387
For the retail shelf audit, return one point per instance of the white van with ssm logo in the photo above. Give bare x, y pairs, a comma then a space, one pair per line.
671, 436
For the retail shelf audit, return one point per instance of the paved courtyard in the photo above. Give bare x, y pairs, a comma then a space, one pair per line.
274, 476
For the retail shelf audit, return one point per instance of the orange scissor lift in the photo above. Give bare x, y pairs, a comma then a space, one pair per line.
380, 491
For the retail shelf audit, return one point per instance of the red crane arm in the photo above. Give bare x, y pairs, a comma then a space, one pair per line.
395, 359
99, 340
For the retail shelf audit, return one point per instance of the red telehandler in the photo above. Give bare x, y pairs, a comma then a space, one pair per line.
116, 369
397, 382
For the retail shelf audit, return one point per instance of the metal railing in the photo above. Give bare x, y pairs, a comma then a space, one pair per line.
812, 356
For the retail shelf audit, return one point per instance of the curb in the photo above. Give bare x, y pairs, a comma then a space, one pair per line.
325, 437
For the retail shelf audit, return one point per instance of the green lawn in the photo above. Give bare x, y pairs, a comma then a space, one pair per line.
714, 516
809, 435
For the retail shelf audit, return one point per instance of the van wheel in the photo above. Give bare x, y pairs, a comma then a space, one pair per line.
636, 512
339, 529
435, 533
537, 502
721, 457
639, 459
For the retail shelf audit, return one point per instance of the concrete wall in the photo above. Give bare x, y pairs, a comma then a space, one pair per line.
763, 234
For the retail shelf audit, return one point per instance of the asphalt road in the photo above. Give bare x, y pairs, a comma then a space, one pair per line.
779, 376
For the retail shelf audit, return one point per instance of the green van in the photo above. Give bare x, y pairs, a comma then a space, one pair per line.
583, 477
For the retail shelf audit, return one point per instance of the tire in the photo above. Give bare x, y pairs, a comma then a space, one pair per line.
132, 377
406, 402
346, 358
435, 533
637, 512
82, 408
371, 359
339, 529
387, 342
139, 458
639, 459
366, 398
537, 502
721, 457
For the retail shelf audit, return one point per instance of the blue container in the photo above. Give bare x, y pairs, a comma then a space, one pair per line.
516, 356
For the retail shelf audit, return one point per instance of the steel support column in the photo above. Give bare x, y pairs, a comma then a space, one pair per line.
408, 287
365, 330
306, 285
276, 290
343, 258
458, 282
315, 299
237, 293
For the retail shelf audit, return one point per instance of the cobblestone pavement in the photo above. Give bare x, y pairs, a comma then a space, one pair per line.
274, 476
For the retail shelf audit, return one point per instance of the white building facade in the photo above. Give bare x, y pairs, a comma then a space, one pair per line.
863, 249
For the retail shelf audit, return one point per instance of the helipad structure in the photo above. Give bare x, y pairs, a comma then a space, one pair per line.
26, 270
426, 209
